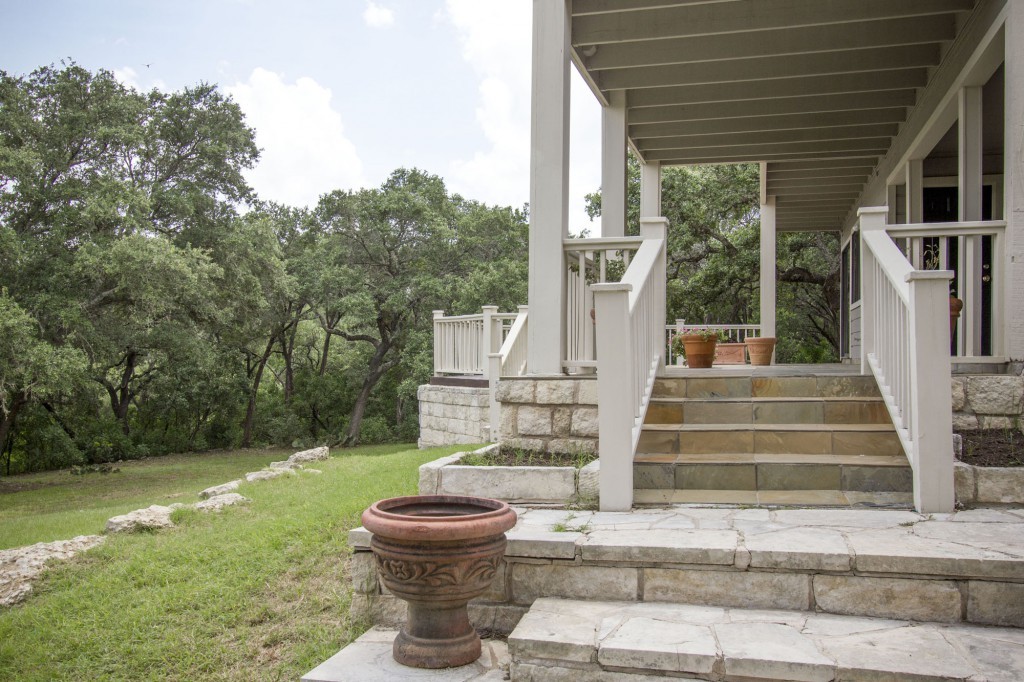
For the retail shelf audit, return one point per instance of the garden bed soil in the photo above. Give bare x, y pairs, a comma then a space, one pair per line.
993, 448
513, 457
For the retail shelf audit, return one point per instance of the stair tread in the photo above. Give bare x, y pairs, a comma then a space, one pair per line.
771, 399
866, 428
777, 498
772, 458
656, 638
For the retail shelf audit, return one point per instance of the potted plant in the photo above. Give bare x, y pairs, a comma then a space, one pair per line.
932, 261
698, 345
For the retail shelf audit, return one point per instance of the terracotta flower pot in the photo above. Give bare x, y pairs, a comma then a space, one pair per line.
700, 354
761, 349
955, 306
437, 552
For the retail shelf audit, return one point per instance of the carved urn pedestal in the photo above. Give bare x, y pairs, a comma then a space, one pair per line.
437, 552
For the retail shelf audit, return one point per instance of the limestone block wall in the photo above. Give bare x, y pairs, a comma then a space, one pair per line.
549, 415
453, 415
990, 401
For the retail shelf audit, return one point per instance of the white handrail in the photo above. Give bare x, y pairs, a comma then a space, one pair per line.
510, 360
905, 345
630, 318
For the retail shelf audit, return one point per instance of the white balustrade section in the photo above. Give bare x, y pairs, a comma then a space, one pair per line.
968, 236
589, 261
462, 343
905, 345
734, 333
630, 318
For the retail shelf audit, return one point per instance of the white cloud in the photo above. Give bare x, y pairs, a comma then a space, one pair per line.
378, 16
496, 42
133, 79
305, 152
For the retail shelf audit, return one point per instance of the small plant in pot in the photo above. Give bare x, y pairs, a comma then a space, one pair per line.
697, 345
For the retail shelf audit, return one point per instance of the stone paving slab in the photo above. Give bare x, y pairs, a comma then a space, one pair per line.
369, 659
981, 543
671, 639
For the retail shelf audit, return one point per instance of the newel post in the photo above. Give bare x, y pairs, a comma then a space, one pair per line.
869, 219
614, 394
438, 341
931, 406
657, 228
487, 343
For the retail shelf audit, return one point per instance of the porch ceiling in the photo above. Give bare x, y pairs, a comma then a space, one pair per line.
815, 88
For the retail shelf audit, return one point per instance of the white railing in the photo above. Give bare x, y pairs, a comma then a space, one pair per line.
462, 343
905, 345
734, 333
630, 318
589, 261
509, 361
916, 239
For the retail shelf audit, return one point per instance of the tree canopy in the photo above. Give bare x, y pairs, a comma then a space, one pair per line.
149, 302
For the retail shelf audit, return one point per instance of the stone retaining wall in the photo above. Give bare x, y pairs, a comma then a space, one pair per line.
453, 415
987, 401
985, 486
549, 415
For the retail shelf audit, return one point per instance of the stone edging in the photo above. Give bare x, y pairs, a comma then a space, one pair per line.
22, 565
524, 485
988, 485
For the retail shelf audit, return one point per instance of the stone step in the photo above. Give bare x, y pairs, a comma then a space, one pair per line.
881, 563
773, 472
841, 499
805, 439
771, 410
561, 640
761, 387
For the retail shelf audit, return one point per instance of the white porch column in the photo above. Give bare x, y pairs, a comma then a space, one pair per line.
969, 208
549, 185
1013, 187
767, 257
613, 166
650, 189
915, 191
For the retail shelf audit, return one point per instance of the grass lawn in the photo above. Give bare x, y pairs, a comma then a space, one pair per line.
256, 592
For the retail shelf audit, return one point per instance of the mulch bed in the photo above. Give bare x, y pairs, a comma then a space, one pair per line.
993, 448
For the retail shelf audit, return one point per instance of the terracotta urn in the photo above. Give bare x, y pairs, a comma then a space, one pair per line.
700, 354
437, 552
761, 349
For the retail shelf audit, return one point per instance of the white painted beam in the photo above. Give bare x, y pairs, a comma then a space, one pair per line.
900, 79
721, 18
782, 66
613, 166
674, 158
549, 186
878, 130
809, 104
756, 124
786, 40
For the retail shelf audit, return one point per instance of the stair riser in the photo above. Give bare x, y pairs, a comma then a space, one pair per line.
742, 412
771, 442
769, 476
767, 387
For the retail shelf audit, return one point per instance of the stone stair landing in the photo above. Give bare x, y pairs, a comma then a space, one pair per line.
576, 640
787, 436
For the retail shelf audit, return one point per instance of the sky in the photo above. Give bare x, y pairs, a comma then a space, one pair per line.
340, 92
